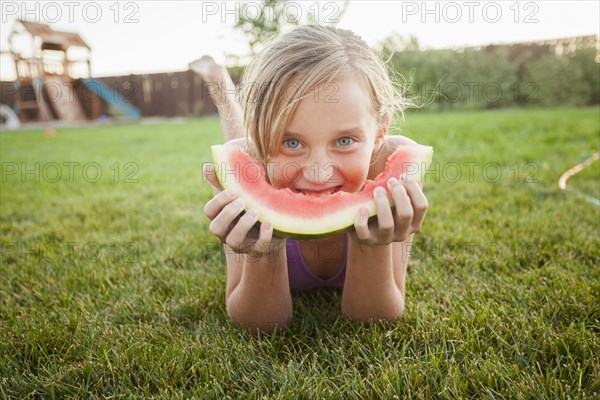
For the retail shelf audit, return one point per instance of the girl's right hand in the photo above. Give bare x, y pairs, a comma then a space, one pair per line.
235, 229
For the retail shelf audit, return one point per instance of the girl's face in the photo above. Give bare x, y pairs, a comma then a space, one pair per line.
328, 143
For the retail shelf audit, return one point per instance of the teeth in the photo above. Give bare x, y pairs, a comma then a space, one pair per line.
320, 194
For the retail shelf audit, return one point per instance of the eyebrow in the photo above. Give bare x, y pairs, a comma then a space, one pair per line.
355, 130
348, 131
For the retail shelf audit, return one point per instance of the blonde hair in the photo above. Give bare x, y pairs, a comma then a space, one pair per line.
298, 62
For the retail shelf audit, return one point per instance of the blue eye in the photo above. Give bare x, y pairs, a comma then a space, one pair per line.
291, 143
345, 141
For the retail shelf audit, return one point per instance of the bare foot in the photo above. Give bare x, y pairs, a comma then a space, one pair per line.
208, 69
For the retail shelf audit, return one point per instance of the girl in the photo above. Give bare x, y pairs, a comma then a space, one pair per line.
319, 98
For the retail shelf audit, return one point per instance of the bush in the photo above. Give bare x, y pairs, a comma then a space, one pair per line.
497, 76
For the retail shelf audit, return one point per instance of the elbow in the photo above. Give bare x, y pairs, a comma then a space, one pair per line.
259, 326
390, 312
262, 328
262, 322
372, 318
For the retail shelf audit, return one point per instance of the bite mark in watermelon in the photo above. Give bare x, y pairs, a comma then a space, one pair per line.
302, 216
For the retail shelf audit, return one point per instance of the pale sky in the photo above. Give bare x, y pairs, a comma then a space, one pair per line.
160, 36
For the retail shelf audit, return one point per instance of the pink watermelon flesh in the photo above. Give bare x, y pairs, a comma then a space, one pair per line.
302, 216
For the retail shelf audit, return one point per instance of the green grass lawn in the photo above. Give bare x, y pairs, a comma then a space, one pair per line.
112, 286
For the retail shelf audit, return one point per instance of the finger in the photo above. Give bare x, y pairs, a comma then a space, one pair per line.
265, 237
419, 203
221, 224
404, 210
209, 172
214, 206
385, 218
237, 235
361, 224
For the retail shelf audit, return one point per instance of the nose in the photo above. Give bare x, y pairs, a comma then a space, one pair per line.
319, 169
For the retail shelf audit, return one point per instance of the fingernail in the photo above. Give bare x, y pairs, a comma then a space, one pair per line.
363, 212
379, 192
239, 203
230, 192
392, 182
267, 225
404, 178
253, 213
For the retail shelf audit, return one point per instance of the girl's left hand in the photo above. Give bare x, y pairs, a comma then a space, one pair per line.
397, 225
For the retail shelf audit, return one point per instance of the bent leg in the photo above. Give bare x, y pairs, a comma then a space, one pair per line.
222, 91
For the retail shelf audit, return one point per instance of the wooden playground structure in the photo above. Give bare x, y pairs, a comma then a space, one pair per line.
52, 84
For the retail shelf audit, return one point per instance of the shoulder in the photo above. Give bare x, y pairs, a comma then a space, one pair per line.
246, 144
393, 141
390, 144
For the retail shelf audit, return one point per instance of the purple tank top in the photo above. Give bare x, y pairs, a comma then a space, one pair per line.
301, 278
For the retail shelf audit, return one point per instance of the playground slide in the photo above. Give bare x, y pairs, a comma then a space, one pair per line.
116, 102
66, 107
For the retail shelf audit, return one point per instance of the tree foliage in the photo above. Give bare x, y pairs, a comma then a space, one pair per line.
260, 22
488, 77
494, 76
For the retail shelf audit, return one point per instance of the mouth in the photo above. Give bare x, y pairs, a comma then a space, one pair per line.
319, 193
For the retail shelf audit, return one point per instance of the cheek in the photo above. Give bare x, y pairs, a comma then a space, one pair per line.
354, 178
283, 175
356, 170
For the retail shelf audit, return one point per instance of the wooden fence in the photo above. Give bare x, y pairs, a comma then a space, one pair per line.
173, 94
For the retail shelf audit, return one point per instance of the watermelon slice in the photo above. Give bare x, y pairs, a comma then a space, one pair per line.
302, 216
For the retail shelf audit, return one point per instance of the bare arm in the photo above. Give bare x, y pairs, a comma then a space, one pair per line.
372, 290
258, 291
376, 273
